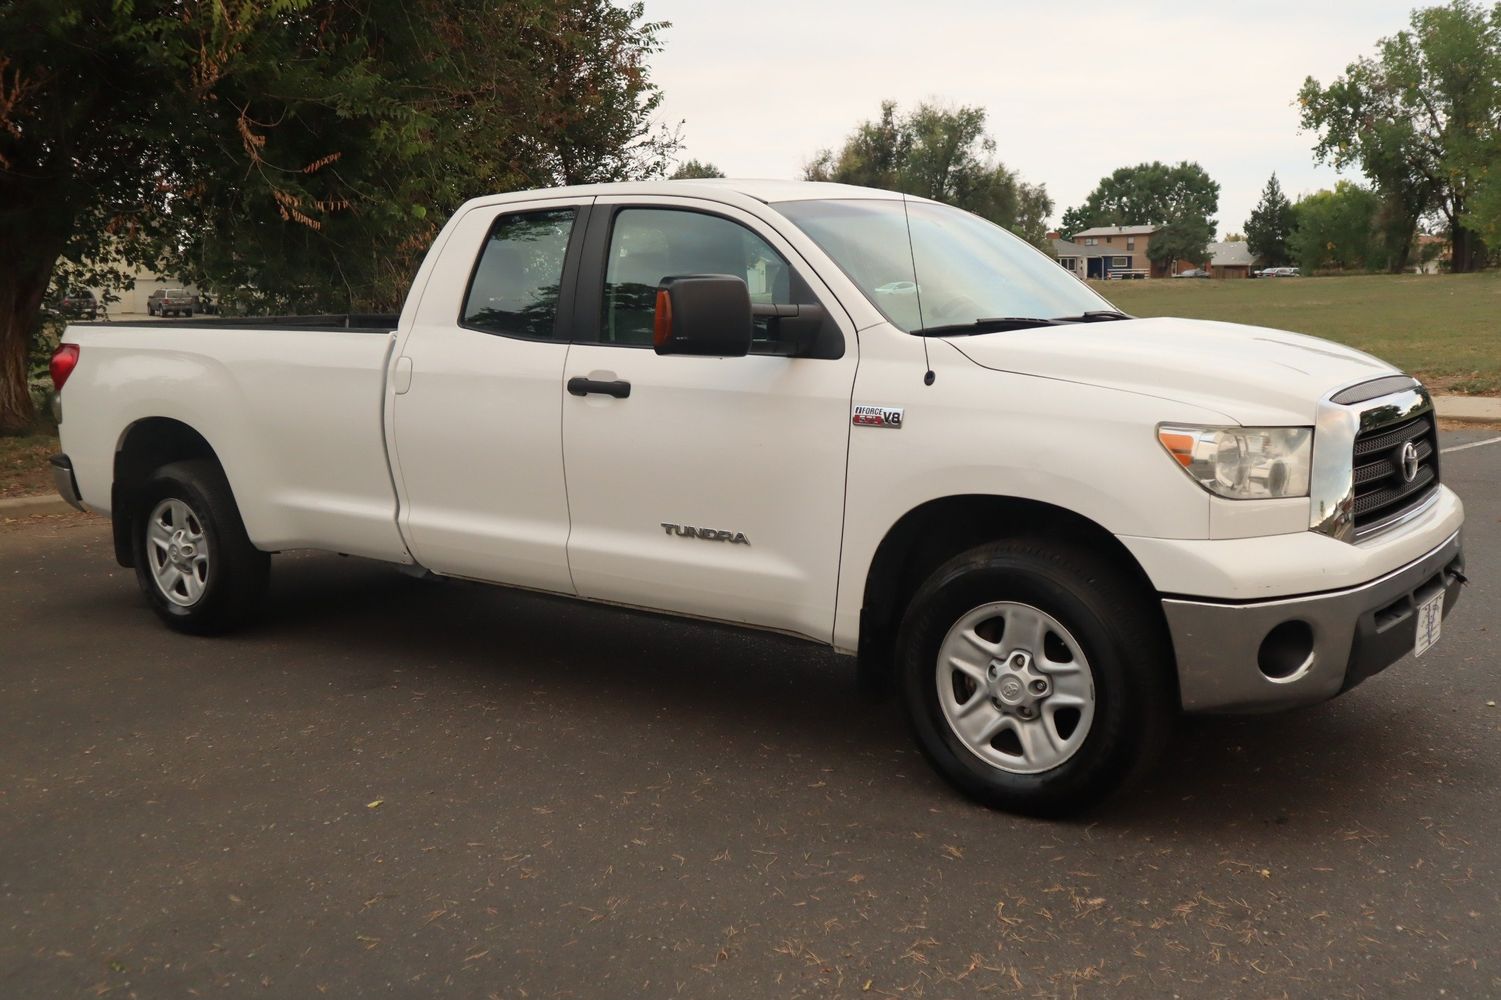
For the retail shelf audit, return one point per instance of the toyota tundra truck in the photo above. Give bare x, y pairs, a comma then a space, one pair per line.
863, 419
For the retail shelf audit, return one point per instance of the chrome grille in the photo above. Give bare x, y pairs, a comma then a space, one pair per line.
1383, 493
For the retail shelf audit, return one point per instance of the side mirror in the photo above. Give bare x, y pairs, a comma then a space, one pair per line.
703, 314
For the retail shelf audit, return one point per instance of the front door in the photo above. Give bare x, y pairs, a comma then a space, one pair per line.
476, 416
716, 487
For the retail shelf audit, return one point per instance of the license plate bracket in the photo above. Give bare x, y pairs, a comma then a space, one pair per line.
1430, 623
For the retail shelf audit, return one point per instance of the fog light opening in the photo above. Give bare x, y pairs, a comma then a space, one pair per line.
1287, 650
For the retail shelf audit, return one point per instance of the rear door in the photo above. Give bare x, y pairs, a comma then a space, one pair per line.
716, 487
477, 448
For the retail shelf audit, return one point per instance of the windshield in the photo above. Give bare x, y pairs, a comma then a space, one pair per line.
954, 271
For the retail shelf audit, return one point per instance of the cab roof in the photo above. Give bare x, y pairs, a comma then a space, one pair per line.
715, 188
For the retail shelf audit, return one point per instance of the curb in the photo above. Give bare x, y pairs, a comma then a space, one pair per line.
1469, 409
26, 506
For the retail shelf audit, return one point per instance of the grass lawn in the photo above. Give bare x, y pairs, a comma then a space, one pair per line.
1446, 329
24, 470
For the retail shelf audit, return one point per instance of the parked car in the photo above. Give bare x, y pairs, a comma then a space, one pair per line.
1193, 272
1279, 272
169, 302
79, 304
871, 421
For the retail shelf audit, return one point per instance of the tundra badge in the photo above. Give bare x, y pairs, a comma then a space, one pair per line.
708, 534
866, 415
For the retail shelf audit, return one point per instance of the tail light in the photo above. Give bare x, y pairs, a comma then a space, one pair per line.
64, 360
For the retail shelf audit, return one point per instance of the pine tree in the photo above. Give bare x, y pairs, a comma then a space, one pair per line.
1270, 225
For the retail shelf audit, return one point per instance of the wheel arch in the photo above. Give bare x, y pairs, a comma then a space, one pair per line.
937, 530
145, 446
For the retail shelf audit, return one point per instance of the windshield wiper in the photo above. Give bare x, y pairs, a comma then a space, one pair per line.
993, 324
1095, 316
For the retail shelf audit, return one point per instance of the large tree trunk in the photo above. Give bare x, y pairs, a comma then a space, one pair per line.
24, 274
1468, 251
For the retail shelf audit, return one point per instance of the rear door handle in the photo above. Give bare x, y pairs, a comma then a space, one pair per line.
580, 386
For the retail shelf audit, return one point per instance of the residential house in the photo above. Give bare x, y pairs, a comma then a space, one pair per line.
1230, 260
1118, 250
1071, 256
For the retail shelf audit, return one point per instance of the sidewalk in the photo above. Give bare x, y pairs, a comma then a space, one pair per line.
1470, 409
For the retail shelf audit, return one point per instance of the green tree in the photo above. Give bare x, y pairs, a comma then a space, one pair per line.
1423, 121
292, 154
1338, 230
693, 169
1187, 238
1181, 199
939, 153
1270, 225
1148, 194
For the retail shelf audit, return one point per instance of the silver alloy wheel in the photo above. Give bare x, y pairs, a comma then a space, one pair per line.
1015, 687
178, 552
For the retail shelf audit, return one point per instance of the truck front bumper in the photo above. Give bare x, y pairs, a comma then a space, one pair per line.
1248, 656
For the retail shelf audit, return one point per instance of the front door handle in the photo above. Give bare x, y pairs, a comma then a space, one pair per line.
580, 386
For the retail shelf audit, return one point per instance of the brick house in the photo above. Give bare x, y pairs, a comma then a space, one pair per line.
1116, 249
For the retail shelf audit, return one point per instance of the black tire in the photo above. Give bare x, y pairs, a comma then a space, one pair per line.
1123, 639
234, 580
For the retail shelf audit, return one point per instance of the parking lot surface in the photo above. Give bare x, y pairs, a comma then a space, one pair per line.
406, 788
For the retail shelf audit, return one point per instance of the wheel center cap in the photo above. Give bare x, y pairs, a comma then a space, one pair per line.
1012, 690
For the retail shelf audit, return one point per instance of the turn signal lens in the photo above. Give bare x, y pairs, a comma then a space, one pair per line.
1180, 446
662, 321
64, 360
1243, 463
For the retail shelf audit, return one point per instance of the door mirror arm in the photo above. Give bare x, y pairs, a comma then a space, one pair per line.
794, 327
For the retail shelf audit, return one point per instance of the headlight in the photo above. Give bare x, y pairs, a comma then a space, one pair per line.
1243, 463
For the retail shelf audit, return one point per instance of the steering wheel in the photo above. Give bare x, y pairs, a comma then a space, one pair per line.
954, 309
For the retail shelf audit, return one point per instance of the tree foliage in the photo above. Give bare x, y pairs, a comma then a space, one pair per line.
939, 153
1270, 225
1338, 230
1187, 238
1148, 194
293, 154
693, 169
1182, 199
1423, 121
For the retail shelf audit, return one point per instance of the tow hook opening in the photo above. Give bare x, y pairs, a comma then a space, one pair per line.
1287, 651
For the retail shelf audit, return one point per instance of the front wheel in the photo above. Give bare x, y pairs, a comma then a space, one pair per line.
1036, 676
193, 560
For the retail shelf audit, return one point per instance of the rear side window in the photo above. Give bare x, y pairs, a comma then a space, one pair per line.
514, 291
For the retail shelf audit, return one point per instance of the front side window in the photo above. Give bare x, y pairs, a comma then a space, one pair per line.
926, 265
649, 244
514, 291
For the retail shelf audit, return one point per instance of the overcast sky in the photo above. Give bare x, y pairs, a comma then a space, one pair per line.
761, 86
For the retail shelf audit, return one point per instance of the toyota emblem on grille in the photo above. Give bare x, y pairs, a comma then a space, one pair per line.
1409, 462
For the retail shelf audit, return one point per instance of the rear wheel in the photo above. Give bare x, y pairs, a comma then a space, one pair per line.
193, 561
1036, 676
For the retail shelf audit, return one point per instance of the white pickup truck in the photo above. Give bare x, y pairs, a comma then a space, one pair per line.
867, 420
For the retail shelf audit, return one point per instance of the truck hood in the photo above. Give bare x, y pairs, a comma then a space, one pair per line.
1253, 375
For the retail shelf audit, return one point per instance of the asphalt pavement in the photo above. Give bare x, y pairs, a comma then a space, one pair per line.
403, 788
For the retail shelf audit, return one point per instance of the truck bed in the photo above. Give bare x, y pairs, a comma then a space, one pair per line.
326, 322
292, 407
